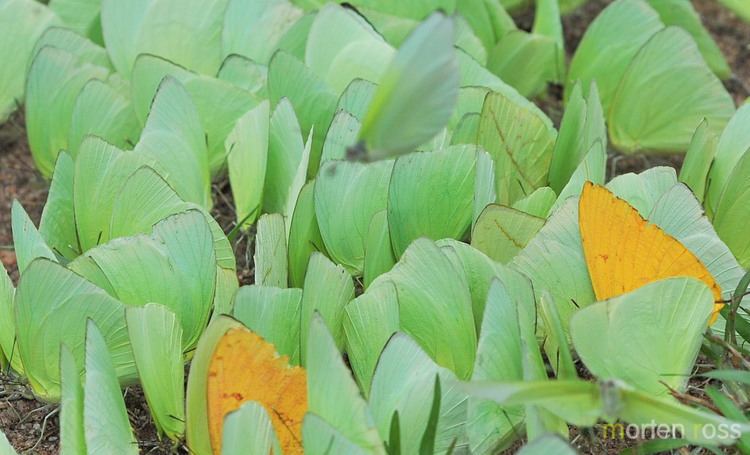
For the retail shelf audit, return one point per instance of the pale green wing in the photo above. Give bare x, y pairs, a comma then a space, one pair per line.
643, 190
52, 305
475, 76
54, 80
680, 214
304, 235
318, 436
553, 260
121, 22
226, 286
501, 232
733, 143
404, 382
415, 9
102, 171
379, 256
732, 209
68, 40
270, 258
83, 16
173, 138
103, 110
547, 23
490, 425
487, 18
394, 29
357, 97
466, 132
274, 314
484, 185
609, 45
175, 267
520, 141
342, 46
568, 147
8, 323
428, 195
468, 41
294, 40
332, 393
185, 32
340, 136
648, 338
105, 418
313, 100
72, 433
245, 74
156, 337
254, 29
593, 168
699, 160
249, 430
207, 92
333, 28
28, 243
582, 126
364, 59
537, 55
299, 179
146, 193
435, 305
417, 93
547, 444
286, 149
5, 447
682, 14
480, 271
649, 112
539, 203
347, 196
247, 153
369, 322
22, 22
556, 344
470, 100
328, 288
58, 223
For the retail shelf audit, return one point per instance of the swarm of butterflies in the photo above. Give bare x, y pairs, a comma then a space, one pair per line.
437, 267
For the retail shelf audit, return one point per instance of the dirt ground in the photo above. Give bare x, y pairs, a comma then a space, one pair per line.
32, 426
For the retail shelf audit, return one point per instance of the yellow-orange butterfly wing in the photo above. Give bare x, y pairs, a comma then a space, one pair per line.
245, 367
623, 251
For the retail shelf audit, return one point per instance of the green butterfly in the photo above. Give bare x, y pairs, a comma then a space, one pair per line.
416, 94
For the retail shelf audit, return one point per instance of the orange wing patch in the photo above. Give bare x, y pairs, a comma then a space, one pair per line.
245, 367
624, 251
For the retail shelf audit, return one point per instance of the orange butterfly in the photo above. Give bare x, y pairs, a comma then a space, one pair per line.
245, 367
624, 251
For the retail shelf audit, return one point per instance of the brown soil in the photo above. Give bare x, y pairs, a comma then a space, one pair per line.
244, 243
32, 426
19, 180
